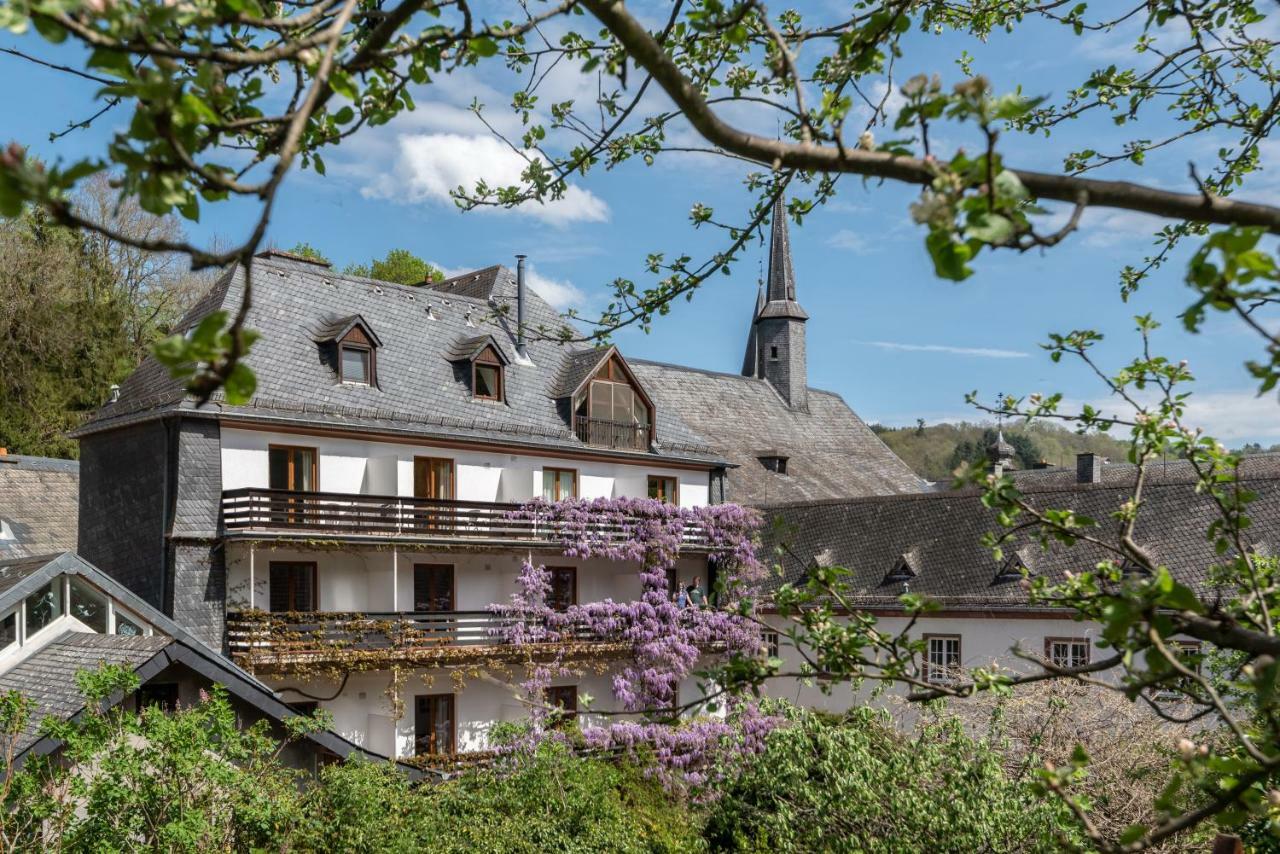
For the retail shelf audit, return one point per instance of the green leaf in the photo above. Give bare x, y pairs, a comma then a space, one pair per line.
240, 384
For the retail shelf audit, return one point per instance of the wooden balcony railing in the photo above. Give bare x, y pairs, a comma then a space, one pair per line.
337, 514
277, 640
611, 434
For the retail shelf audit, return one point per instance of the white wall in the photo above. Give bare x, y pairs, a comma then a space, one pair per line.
385, 468
983, 641
362, 579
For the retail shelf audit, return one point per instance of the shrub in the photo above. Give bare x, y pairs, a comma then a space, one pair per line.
860, 784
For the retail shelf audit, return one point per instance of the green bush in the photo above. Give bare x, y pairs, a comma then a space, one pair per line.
858, 784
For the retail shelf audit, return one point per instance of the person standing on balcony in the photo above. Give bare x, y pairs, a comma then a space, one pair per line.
682, 598
697, 597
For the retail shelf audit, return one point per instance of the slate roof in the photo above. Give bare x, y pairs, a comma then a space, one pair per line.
831, 452
420, 392
1252, 466
943, 531
48, 677
39, 505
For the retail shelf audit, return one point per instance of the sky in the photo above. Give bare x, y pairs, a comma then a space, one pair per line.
897, 342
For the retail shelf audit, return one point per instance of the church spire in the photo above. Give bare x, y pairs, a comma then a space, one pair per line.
778, 331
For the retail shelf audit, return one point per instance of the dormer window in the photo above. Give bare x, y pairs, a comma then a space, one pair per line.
480, 361
350, 348
775, 463
486, 375
610, 409
356, 364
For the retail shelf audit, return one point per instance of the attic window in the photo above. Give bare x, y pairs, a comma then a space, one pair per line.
900, 573
1013, 570
356, 364
774, 463
487, 376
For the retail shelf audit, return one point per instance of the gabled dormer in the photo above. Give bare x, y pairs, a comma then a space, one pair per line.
608, 406
483, 365
904, 568
350, 347
1015, 568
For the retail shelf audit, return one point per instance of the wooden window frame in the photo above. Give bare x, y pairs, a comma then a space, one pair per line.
573, 598
342, 374
559, 471
674, 499
453, 723
566, 712
315, 584
489, 359
453, 476
453, 587
315, 465
772, 642
928, 662
1050, 641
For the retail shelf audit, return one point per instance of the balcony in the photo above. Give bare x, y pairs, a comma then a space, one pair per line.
321, 515
262, 642
611, 434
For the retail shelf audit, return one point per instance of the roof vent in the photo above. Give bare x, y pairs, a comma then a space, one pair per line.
1014, 569
431, 315
467, 318
114, 396
902, 571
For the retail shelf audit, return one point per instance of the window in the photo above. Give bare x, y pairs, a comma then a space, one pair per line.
1067, 652
433, 724
773, 351
775, 464
88, 605
293, 587
127, 625
613, 413
564, 587
564, 698
292, 468
559, 484
161, 694
432, 587
664, 489
1190, 654
433, 477
356, 364
305, 707
771, 641
486, 376
44, 606
9, 630
942, 659
900, 572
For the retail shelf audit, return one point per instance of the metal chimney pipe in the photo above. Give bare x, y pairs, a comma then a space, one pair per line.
520, 301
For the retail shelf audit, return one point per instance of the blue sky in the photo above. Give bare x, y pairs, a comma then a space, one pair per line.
898, 343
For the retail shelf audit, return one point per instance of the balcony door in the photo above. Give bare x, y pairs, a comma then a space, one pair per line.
564, 587
433, 724
291, 469
434, 480
433, 587
293, 587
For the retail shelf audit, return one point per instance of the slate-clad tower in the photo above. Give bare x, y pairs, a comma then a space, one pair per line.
778, 330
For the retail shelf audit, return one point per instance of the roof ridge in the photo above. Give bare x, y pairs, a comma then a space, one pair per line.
346, 278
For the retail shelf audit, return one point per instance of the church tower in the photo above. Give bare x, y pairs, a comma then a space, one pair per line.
777, 332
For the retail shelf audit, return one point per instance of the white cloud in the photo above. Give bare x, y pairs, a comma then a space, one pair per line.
983, 352
850, 241
1105, 229
1229, 416
560, 293
428, 166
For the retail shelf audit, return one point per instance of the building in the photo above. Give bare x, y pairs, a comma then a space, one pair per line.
931, 544
59, 615
343, 534
38, 505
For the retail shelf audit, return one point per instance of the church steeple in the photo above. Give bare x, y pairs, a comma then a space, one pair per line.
778, 329
751, 360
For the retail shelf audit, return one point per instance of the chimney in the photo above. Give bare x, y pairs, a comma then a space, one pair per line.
521, 348
1088, 468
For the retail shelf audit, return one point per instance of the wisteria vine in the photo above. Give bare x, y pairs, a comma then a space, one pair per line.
665, 641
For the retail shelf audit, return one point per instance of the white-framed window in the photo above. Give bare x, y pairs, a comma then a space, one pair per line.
127, 624
942, 659
9, 630
1067, 652
88, 605
771, 644
44, 606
